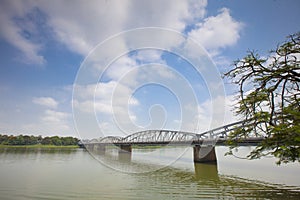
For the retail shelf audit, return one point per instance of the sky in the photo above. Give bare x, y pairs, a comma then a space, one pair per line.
96, 68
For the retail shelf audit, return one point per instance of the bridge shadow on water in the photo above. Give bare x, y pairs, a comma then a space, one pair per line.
203, 186
206, 171
123, 161
29, 150
202, 182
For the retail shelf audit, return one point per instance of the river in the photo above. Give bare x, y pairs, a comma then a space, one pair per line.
167, 173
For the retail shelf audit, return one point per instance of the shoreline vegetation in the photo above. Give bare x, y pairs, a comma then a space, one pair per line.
37, 146
26, 141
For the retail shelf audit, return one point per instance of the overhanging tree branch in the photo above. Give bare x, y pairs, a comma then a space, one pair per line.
269, 94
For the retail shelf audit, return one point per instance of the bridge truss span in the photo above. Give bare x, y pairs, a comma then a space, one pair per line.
203, 143
223, 131
105, 140
156, 137
159, 137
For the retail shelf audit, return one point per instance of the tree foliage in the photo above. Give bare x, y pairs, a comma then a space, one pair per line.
269, 100
32, 140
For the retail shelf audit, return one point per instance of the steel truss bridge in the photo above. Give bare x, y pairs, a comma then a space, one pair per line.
170, 137
203, 143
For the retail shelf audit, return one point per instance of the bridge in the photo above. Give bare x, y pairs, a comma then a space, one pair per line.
203, 143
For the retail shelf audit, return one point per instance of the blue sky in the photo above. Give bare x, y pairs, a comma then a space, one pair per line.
45, 45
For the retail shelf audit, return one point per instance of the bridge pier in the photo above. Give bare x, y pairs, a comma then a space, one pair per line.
97, 148
100, 148
89, 147
204, 154
125, 148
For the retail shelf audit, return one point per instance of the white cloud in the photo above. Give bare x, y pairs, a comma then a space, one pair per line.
51, 123
217, 31
45, 101
90, 106
149, 56
121, 68
83, 25
157, 71
12, 32
51, 116
216, 112
167, 14
133, 101
81, 32
105, 98
210, 114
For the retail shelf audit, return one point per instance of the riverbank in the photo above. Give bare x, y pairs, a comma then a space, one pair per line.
40, 146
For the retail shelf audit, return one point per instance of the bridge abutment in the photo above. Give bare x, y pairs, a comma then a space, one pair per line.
204, 154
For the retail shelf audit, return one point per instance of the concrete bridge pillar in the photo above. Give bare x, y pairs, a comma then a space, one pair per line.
125, 148
205, 154
97, 148
100, 147
89, 147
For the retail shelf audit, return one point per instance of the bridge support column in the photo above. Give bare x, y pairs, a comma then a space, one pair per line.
96, 148
89, 147
125, 148
100, 147
205, 154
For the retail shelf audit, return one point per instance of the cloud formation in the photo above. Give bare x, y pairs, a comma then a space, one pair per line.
81, 32
18, 35
81, 26
45, 101
218, 31
84, 24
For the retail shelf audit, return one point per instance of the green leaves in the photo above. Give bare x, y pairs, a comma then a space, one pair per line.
268, 95
32, 140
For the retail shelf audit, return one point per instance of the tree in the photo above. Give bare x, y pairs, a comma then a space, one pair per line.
56, 140
46, 141
269, 100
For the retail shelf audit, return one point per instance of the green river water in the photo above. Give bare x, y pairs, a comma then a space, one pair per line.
167, 173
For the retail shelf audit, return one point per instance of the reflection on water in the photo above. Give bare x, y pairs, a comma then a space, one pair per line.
185, 185
206, 171
20, 150
74, 174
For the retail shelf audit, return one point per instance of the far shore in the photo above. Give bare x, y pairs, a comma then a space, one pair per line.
39, 146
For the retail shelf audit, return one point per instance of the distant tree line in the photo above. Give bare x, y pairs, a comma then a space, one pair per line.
32, 140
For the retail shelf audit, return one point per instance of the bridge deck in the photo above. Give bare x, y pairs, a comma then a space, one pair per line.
219, 142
